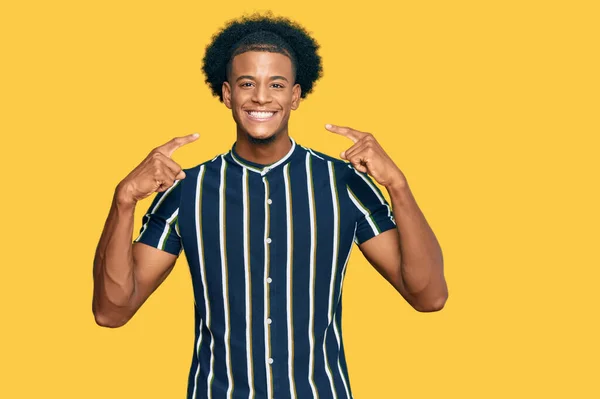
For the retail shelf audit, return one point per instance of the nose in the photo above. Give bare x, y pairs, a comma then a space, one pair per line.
261, 94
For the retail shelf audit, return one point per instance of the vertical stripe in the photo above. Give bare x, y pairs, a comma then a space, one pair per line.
167, 230
364, 211
177, 226
224, 274
246, 226
198, 204
268, 366
290, 274
375, 190
160, 201
335, 326
311, 291
336, 244
198, 346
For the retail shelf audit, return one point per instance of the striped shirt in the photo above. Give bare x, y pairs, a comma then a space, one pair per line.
267, 247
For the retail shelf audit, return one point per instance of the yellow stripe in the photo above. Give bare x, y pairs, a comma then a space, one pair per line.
248, 279
225, 277
290, 246
311, 199
334, 255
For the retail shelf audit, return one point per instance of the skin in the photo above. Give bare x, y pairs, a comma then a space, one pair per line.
410, 257
126, 274
261, 81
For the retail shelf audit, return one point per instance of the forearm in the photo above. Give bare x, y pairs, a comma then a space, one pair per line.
422, 261
114, 279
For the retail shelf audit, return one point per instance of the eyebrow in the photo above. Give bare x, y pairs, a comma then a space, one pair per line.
253, 78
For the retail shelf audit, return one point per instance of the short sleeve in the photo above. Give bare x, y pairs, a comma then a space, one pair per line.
159, 224
374, 215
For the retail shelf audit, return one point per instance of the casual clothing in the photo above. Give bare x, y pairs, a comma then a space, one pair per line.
267, 248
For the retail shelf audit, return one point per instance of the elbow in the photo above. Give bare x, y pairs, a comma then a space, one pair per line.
110, 322
431, 306
109, 319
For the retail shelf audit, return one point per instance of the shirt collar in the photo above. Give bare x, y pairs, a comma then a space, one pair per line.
258, 168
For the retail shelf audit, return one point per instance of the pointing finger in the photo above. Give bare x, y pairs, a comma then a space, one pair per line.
170, 147
352, 134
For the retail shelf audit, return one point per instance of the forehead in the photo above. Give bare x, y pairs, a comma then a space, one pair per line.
258, 63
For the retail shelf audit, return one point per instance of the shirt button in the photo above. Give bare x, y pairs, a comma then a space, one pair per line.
270, 360
269, 201
269, 321
269, 240
269, 279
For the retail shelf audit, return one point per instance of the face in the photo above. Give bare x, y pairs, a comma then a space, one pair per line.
261, 93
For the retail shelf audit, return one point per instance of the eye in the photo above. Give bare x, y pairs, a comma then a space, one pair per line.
246, 84
278, 85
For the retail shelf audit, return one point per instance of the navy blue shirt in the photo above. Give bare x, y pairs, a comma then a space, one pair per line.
267, 247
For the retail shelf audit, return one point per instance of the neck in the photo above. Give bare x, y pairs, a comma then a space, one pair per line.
264, 154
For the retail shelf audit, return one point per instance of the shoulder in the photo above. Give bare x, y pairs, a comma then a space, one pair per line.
213, 162
344, 171
320, 157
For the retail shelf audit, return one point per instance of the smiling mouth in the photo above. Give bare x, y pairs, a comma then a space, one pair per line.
260, 116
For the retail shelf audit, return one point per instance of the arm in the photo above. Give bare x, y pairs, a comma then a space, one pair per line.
409, 257
126, 274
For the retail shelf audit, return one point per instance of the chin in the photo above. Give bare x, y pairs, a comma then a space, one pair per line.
262, 138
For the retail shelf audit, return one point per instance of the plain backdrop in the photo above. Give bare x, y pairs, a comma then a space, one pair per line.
489, 108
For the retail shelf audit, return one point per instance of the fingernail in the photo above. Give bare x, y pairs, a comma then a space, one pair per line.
328, 126
195, 135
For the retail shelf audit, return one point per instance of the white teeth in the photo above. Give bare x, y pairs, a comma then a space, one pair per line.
261, 115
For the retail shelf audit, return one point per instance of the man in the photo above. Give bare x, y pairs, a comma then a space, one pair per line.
267, 229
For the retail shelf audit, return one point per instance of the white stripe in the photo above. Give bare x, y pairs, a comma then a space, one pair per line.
312, 152
198, 359
168, 227
155, 208
177, 227
243, 164
224, 287
288, 214
311, 291
266, 292
203, 275
364, 211
282, 160
248, 281
333, 272
335, 326
374, 191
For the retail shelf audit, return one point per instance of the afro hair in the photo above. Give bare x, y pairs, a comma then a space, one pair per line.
262, 33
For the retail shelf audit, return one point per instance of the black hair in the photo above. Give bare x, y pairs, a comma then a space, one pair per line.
262, 33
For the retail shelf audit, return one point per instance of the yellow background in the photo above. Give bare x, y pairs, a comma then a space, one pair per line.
491, 109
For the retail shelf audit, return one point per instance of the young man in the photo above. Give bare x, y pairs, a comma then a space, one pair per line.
267, 229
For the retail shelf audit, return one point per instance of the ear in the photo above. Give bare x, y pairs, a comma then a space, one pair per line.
296, 92
226, 88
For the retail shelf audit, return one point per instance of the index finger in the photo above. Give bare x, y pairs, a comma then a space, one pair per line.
169, 147
352, 134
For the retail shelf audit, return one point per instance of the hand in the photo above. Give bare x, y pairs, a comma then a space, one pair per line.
156, 173
367, 156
